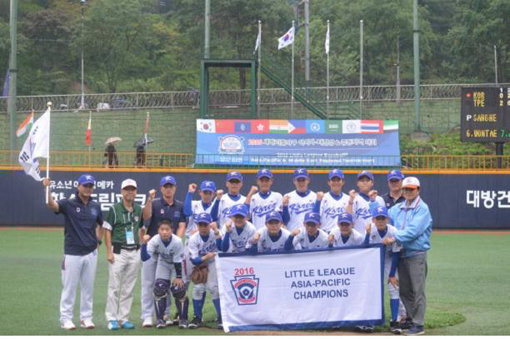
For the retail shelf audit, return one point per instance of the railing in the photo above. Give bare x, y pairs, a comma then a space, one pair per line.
161, 160
268, 96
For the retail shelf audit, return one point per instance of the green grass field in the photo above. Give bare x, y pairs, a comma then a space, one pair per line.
467, 287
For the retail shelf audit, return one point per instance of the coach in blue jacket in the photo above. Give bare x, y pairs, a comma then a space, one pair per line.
414, 223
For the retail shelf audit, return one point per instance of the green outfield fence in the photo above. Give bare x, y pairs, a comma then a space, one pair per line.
163, 160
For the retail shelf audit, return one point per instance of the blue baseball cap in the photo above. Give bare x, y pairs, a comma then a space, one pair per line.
274, 216
208, 185
345, 217
300, 173
203, 217
239, 209
380, 211
336, 173
395, 174
367, 174
85, 179
234, 175
313, 217
167, 180
264, 173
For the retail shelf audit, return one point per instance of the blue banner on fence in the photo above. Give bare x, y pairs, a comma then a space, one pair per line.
298, 142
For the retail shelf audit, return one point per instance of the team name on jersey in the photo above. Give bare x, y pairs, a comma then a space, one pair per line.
298, 208
263, 210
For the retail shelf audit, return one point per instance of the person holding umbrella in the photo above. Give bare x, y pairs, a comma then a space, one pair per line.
110, 152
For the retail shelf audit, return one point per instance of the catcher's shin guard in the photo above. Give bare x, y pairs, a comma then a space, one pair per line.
161, 287
182, 307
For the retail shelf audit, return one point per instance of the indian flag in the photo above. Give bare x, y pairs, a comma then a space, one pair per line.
278, 126
26, 125
390, 125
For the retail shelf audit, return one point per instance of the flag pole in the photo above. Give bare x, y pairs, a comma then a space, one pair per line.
327, 73
48, 155
258, 70
292, 78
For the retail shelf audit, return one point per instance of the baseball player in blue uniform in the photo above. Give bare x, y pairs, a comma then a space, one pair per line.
364, 201
272, 238
203, 247
300, 201
310, 236
345, 235
82, 234
238, 231
333, 202
155, 210
233, 197
207, 203
376, 232
262, 200
169, 250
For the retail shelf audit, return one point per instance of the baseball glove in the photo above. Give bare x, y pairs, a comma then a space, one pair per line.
199, 274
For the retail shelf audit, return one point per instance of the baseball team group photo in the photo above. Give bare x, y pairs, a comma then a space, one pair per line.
254, 167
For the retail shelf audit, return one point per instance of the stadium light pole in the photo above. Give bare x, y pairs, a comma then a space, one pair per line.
82, 103
206, 28
13, 71
361, 69
416, 49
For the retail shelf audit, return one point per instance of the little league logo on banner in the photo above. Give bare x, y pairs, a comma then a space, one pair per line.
301, 290
246, 289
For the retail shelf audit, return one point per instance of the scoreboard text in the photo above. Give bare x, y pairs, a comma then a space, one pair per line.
485, 114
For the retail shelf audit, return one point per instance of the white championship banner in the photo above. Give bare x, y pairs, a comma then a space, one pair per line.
301, 290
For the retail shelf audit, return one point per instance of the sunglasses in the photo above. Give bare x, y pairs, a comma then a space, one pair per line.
409, 189
380, 218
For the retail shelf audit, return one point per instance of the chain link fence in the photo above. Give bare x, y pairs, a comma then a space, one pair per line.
228, 98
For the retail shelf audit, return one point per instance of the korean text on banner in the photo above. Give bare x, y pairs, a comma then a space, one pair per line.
330, 288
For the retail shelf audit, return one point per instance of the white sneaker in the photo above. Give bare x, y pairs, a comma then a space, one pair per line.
87, 323
147, 322
67, 325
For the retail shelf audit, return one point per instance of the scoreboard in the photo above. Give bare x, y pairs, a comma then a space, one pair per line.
485, 114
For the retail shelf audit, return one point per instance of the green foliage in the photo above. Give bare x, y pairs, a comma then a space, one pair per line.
444, 144
142, 45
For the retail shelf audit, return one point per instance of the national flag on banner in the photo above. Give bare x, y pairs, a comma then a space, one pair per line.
286, 39
297, 126
224, 126
242, 127
334, 126
278, 126
351, 126
7, 81
326, 43
26, 125
260, 126
257, 42
206, 125
390, 125
315, 126
88, 133
37, 145
371, 126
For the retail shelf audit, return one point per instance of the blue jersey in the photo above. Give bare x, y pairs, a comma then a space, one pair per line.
162, 210
80, 225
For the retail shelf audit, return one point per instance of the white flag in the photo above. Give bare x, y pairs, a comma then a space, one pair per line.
286, 39
257, 43
36, 146
326, 43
